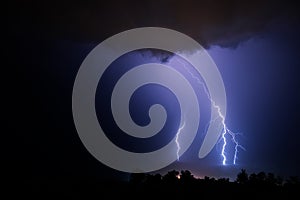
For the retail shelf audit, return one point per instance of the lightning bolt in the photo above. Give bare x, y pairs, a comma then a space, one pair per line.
225, 129
176, 139
237, 145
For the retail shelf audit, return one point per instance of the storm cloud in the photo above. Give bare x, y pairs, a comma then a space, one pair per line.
222, 23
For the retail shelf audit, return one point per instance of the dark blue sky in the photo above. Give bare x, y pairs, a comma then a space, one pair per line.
256, 49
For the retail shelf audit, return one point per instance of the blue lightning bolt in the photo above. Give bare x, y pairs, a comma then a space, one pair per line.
237, 145
176, 139
225, 130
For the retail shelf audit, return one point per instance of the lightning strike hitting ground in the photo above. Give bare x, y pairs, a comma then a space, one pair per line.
225, 130
176, 140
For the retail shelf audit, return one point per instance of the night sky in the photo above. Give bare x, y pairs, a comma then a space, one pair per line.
255, 46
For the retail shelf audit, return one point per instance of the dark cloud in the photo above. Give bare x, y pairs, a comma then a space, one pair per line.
223, 23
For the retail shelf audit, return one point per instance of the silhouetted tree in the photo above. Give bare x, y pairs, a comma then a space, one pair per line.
261, 176
253, 179
242, 177
292, 184
279, 180
223, 180
293, 180
271, 179
207, 179
186, 176
171, 177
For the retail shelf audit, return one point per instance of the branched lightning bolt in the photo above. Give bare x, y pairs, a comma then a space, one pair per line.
225, 130
237, 145
176, 139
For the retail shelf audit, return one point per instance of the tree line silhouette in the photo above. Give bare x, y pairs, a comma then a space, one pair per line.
173, 184
254, 185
